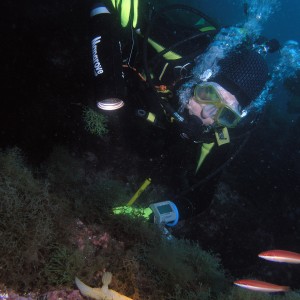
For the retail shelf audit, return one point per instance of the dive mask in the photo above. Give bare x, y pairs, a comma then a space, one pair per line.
209, 93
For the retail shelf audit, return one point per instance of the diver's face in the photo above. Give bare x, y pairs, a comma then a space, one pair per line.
205, 112
208, 112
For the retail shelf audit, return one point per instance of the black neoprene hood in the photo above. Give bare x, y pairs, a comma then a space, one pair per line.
244, 74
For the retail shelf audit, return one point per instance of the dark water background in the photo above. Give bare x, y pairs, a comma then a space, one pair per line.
46, 75
283, 24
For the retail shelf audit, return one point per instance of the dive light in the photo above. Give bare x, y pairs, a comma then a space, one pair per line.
106, 59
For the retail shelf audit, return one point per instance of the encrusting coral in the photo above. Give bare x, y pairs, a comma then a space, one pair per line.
103, 293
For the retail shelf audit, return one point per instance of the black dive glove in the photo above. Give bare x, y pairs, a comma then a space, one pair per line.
192, 128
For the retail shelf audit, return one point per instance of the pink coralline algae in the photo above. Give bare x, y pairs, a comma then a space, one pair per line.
52, 295
85, 233
64, 295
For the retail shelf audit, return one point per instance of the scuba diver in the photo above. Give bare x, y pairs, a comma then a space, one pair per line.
170, 68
